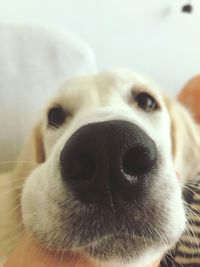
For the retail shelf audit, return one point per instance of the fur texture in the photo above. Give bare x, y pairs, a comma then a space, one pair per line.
37, 200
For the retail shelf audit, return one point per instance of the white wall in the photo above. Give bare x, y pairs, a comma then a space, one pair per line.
151, 36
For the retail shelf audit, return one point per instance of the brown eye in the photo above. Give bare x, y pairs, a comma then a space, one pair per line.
56, 116
146, 102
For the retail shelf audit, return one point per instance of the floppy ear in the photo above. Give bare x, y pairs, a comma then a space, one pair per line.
32, 153
185, 135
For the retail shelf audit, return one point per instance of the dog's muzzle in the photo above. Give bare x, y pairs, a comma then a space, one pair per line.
106, 163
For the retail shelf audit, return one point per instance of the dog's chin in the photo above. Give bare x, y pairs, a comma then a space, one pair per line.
116, 250
126, 249
107, 237
119, 248
120, 251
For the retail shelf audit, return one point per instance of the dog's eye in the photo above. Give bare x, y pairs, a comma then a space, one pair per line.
146, 102
56, 116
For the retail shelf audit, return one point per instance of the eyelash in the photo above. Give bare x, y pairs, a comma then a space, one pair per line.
56, 116
145, 101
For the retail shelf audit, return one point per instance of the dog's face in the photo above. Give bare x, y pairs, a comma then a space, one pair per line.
108, 185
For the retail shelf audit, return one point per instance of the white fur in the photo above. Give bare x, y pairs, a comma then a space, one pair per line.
102, 97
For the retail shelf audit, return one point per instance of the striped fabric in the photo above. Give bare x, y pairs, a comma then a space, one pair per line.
187, 251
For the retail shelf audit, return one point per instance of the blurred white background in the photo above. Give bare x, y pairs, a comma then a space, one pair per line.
152, 36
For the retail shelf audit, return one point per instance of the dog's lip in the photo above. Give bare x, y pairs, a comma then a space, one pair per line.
113, 238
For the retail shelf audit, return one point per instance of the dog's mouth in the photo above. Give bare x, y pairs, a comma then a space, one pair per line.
104, 234
111, 200
123, 235
108, 169
122, 248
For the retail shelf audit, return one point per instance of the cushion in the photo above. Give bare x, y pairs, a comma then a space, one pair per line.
34, 62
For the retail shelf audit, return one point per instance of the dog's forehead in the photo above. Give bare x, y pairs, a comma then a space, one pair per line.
105, 84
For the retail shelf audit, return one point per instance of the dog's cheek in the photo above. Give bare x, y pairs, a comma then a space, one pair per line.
174, 208
33, 200
42, 197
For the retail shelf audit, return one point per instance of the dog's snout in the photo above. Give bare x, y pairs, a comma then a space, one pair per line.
107, 162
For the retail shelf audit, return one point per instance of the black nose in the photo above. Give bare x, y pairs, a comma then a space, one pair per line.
108, 162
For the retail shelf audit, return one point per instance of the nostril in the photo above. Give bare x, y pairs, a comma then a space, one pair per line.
81, 169
108, 162
138, 160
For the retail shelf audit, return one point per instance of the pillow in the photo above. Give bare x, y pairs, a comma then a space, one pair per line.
34, 62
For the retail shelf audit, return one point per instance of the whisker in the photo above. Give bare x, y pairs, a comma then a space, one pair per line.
11, 191
193, 192
197, 182
189, 231
169, 259
19, 161
38, 255
58, 128
192, 209
14, 210
20, 178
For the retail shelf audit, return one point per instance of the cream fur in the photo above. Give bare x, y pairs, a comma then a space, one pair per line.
97, 98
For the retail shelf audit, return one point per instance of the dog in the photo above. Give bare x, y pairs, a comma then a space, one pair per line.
103, 172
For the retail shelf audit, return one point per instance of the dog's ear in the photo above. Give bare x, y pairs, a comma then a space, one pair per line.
32, 154
185, 136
